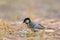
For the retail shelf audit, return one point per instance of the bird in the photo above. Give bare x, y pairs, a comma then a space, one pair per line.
33, 26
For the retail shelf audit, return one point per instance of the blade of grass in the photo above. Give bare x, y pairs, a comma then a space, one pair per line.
42, 35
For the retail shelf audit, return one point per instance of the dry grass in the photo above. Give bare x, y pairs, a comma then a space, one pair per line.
23, 33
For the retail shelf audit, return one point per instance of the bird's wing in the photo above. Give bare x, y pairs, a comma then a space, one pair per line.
39, 26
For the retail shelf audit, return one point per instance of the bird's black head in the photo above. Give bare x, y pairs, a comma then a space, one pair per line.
27, 20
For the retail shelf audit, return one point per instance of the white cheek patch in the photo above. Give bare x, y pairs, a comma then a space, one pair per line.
27, 21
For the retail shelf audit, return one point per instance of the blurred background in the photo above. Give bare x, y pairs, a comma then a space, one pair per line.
46, 9
46, 12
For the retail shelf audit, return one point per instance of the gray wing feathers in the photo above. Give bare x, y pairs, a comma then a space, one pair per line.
39, 26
